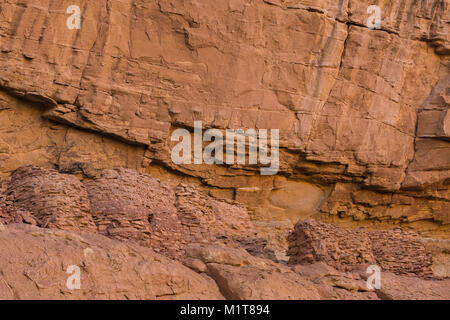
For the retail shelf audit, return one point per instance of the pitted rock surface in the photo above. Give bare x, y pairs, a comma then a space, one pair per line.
55, 200
312, 241
394, 251
363, 116
34, 263
131, 206
127, 205
358, 109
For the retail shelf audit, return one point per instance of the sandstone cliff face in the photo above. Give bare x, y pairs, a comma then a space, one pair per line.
363, 117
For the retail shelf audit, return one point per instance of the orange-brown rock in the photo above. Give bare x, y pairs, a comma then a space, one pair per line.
130, 206
401, 252
359, 107
35, 261
10, 213
343, 249
363, 116
56, 200
397, 287
395, 251
241, 276
126, 205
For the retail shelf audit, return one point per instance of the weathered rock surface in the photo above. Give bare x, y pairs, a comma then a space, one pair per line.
10, 213
411, 288
241, 276
356, 108
34, 261
363, 117
395, 251
56, 200
126, 205
313, 241
440, 250
34, 264
335, 285
132, 206
401, 252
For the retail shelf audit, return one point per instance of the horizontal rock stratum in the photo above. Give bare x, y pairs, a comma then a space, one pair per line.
87, 117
